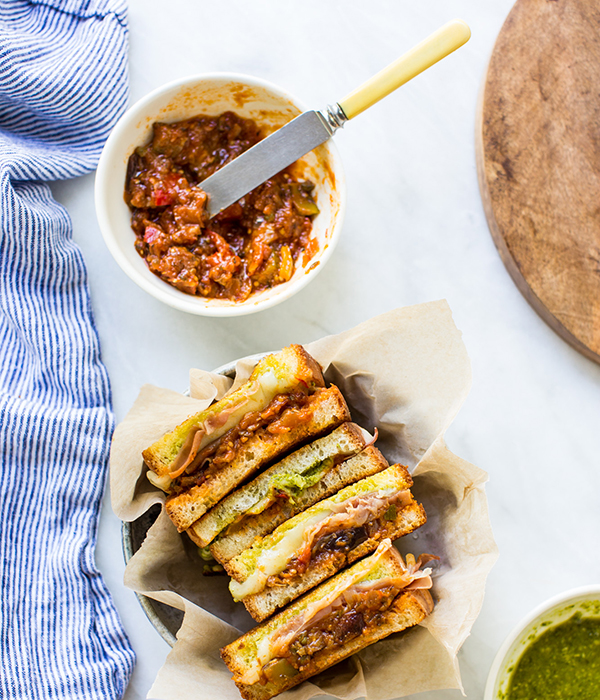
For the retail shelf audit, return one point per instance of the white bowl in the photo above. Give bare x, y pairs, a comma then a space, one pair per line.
213, 94
585, 600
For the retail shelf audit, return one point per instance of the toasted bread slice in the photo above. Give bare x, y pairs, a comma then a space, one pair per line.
274, 374
262, 594
409, 608
262, 605
244, 656
230, 544
285, 480
328, 410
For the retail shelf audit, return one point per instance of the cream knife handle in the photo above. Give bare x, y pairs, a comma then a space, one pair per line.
437, 46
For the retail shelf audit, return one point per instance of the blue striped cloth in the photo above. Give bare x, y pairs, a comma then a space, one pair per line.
63, 83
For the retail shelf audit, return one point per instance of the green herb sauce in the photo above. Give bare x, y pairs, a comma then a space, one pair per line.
293, 484
562, 664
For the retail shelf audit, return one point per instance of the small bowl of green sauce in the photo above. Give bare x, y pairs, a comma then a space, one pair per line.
553, 654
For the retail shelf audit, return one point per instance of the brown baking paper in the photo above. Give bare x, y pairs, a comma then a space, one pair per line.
405, 372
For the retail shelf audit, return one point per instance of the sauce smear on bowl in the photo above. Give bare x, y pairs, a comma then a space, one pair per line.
562, 664
253, 245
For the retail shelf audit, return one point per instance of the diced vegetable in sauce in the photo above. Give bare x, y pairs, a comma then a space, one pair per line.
253, 245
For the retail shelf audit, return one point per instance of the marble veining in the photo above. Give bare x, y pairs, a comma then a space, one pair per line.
414, 231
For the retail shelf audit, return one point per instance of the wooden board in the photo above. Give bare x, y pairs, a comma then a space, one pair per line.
538, 161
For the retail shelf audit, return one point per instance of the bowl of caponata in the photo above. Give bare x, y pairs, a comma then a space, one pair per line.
152, 210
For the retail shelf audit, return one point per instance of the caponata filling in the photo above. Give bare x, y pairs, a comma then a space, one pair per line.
335, 545
252, 245
283, 413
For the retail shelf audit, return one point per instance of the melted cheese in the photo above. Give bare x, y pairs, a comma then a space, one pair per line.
263, 391
162, 482
353, 512
274, 560
252, 396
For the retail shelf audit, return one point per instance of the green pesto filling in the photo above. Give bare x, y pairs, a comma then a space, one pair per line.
293, 484
288, 486
391, 513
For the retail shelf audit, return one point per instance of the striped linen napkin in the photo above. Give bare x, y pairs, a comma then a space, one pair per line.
63, 83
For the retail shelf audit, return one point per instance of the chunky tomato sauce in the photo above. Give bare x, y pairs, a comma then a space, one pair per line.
345, 622
251, 246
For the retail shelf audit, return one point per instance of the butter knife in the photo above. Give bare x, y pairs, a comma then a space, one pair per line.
312, 128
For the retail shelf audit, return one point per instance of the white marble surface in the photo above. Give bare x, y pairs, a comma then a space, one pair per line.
414, 231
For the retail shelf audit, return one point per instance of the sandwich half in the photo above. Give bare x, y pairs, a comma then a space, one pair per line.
318, 542
283, 404
223, 467
302, 478
376, 597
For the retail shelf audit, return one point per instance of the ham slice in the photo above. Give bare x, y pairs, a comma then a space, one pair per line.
188, 451
195, 438
298, 542
354, 512
277, 645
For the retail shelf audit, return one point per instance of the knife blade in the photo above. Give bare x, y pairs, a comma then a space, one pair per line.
311, 129
266, 158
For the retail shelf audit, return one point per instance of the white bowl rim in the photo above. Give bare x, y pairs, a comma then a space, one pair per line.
187, 302
530, 618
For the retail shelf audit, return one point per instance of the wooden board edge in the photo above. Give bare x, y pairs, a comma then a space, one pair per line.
503, 250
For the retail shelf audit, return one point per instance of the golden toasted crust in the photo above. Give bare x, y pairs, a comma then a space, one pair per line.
308, 369
196, 540
408, 609
329, 411
294, 365
365, 463
262, 605
155, 461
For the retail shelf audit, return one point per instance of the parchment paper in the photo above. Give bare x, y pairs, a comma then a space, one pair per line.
405, 372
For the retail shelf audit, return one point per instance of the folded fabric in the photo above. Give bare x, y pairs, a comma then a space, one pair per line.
63, 82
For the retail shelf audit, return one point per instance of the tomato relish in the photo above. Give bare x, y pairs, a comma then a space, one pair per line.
252, 245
